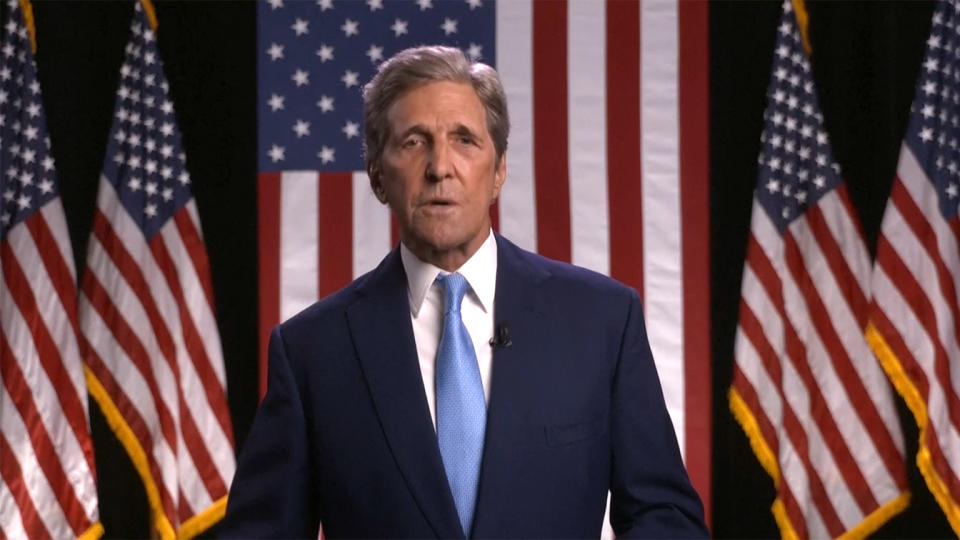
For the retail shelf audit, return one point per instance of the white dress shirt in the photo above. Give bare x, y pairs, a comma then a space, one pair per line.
426, 312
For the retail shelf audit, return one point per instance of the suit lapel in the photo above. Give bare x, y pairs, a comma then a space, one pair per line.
383, 335
517, 302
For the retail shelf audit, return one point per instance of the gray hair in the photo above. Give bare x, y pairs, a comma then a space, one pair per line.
415, 67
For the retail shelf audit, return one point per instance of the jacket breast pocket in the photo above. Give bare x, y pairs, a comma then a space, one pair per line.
564, 434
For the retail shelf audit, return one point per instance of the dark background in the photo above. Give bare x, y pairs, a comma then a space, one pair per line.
865, 61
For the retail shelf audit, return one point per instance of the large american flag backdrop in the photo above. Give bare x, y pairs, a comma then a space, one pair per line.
146, 305
607, 159
47, 472
915, 316
807, 390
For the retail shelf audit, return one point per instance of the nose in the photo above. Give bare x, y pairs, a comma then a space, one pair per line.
439, 164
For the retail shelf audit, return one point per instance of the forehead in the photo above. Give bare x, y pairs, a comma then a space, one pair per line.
439, 104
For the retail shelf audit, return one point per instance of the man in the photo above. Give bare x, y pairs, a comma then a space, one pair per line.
464, 387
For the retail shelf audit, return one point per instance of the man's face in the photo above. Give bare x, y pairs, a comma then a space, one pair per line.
439, 171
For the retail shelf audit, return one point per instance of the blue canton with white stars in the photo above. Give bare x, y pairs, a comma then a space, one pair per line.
145, 160
314, 58
27, 176
934, 127
796, 164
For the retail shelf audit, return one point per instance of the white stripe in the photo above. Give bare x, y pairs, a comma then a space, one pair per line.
135, 245
46, 396
191, 485
660, 140
753, 371
587, 135
299, 246
919, 263
125, 300
34, 479
846, 230
57, 222
371, 226
195, 299
11, 526
135, 388
518, 210
926, 198
917, 341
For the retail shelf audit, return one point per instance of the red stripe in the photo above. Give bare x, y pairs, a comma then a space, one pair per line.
794, 513
43, 447
335, 223
62, 279
880, 435
13, 478
48, 354
624, 178
193, 242
919, 379
268, 244
693, 100
113, 246
927, 238
135, 350
754, 331
192, 341
749, 396
202, 459
550, 160
863, 406
135, 422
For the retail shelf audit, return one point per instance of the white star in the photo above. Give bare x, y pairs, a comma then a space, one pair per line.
325, 103
822, 138
375, 4
774, 164
5, 218
167, 194
301, 77
275, 102
33, 110
276, 4
150, 210
133, 162
350, 27
276, 153
821, 160
773, 186
785, 28
931, 64
28, 156
934, 42
475, 51
926, 134
927, 111
375, 53
349, 78
783, 51
474, 4
449, 26
351, 129
301, 128
301, 26
399, 27
804, 153
275, 51
150, 167
326, 154
26, 179
167, 107
23, 202
30, 133
166, 172
184, 178
325, 4
166, 151
425, 4
929, 88
820, 181
48, 163
952, 190
325, 52
150, 189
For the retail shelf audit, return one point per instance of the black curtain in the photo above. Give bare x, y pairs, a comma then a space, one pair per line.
866, 56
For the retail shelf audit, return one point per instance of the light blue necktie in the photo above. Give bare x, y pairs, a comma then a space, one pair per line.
461, 408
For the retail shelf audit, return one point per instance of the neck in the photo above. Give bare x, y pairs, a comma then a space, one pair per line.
448, 259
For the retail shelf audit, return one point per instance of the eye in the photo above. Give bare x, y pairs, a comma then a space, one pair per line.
465, 139
412, 142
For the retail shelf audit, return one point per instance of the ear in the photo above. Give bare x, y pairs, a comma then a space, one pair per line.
499, 176
376, 183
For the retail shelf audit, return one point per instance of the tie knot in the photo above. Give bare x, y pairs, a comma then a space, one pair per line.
454, 287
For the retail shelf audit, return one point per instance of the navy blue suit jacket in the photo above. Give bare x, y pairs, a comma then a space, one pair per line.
344, 433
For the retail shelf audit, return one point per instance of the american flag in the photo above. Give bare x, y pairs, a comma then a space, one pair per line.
146, 305
607, 99
47, 473
914, 316
813, 400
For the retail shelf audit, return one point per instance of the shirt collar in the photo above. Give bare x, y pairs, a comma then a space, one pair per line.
480, 271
